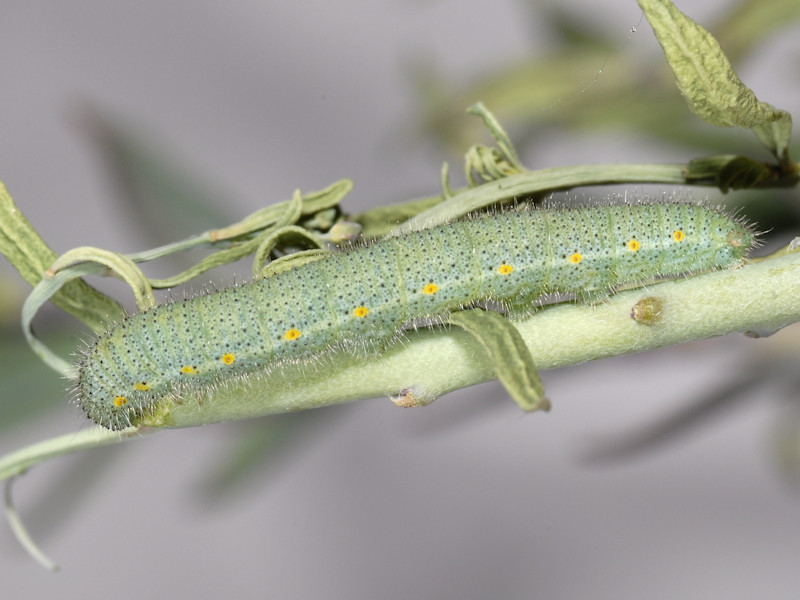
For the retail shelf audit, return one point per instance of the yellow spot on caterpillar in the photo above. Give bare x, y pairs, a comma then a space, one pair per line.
505, 269
120, 401
634, 245
228, 359
360, 311
678, 235
430, 289
188, 370
292, 334
576, 258
141, 386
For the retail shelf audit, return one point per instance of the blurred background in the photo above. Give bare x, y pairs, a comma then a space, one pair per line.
125, 125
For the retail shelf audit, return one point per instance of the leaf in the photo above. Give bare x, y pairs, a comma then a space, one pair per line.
21, 460
168, 200
728, 172
30, 255
705, 77
27, 388
511, 360
741, 173
11, 298
776, 134
380, 221
681, 421
260, 449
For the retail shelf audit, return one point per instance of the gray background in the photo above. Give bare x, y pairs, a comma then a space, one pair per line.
466, 498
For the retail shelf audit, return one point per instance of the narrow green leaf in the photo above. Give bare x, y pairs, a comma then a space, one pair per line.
260, 448
380, 221
506, 350
704, 75
532, 183
27, 252
300, 237
246, 235
168, 200
27, 387
21, 533
40, 295
509, 153
69, 267
21, 460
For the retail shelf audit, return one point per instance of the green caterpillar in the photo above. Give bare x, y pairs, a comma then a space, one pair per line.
186, 350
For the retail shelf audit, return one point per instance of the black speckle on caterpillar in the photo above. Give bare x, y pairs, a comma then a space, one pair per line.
188, 350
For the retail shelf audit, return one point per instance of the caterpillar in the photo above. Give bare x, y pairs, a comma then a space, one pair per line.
185, 350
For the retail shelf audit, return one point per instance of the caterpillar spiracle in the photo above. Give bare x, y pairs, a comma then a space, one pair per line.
189, 349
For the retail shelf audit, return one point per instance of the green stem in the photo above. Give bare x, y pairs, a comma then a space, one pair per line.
760, 297
545, 180
429, 363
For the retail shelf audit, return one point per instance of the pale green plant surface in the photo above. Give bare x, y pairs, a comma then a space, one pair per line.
415, 374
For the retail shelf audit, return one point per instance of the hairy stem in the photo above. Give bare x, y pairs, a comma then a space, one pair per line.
758, 297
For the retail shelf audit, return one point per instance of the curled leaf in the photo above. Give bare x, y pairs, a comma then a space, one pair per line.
27, 252
509, 356
707, 80
703, 73
776, 133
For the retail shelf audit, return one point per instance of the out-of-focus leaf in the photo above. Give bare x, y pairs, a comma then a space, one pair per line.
786, 439
571, 31
28, 387
260, 447
729, 172
750, 22
679, 422
31, 257
742, 173
530, 92
593, 86
167, 201
11, 298
67, 492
